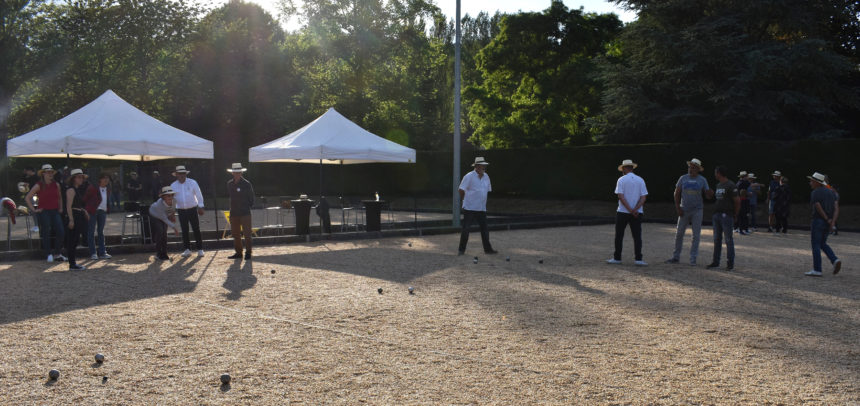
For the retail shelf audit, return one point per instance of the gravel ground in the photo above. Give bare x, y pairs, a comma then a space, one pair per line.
570, 330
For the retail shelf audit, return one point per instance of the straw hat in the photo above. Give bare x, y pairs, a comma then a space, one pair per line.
76, 172
818, 177
180, 169
697, 162
751, 175
479, 160
236, 167
46, 168
132, 173
155, 173
627, 162
167, 190
776, 173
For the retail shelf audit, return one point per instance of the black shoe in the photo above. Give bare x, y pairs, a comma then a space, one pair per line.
730, 266
76, 267
672, 261
713, 265
491, 252
163, 258
248, 255
235, 256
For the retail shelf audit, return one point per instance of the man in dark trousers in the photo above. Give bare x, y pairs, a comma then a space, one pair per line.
727, 207
241, 201
632, 193
743, 186
473, 192
824, 216
161, 217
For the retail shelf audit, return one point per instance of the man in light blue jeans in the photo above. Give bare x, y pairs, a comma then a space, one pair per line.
690, 191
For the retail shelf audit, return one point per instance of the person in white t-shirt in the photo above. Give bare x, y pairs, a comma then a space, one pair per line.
189, 206
632, 193
473, 192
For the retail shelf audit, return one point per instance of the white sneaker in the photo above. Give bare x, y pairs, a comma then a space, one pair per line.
50, 258
641, 263
200, 253
105, 256
94, 257
186, 254
61, 258
813, 273
613, 261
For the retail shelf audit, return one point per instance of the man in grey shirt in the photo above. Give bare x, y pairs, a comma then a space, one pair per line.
161, 216
690, 191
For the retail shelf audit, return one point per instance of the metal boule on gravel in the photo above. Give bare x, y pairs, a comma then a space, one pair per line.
475, 261
410, 244
508, 259
540, 261
104, 379
411, 290
273, 271
54, 374
225, 379
379, 290
100, 358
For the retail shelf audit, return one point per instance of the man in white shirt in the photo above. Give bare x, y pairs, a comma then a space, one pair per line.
473, 192
631, 193
189, 206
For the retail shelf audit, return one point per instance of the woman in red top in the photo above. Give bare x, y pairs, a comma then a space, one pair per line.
50, 202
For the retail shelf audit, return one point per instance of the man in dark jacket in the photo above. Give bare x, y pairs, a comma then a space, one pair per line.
241, 201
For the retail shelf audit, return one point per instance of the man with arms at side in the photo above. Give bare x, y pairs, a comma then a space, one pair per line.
241, 200
726, 208
631, 192
189, 207
473, 192
690, 191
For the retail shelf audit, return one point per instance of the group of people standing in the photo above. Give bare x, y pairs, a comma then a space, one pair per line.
70, 208
734, 203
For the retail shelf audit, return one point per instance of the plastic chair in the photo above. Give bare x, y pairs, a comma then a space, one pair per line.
229, 229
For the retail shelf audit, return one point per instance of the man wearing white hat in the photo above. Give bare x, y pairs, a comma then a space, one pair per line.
690, 192
161, 216
189, 206
473, 192
771, 191
631, 192
241, 201
823, 203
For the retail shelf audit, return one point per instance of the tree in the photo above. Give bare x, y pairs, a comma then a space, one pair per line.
707, 70
539, 79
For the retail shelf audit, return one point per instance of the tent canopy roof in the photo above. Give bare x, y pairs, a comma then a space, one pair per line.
333, 139
109, 128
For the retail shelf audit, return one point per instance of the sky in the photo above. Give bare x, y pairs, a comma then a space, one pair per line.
473, 7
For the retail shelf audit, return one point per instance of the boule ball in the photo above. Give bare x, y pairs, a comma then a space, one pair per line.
100, 358
53, 374
540, 261
273, 271
508, 259
379, 290
225, 379
410, 244
411, 290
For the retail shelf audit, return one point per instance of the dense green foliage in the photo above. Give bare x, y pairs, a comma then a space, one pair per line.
693, 70
688, 70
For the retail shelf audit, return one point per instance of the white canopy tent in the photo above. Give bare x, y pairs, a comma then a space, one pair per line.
109, 128
331, 139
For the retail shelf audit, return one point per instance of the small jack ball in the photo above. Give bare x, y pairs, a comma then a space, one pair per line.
100, 358
273, 271
53, 374
225, 379
411, 290
540, 262
379, 290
